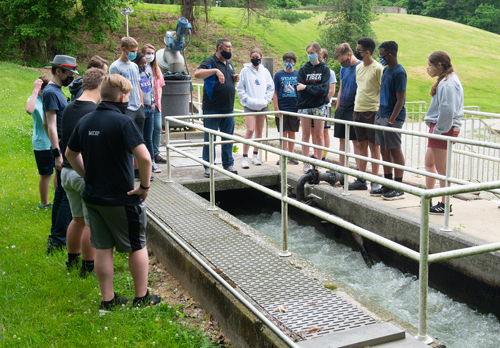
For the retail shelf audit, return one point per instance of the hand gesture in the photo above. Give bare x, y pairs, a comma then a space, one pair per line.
220, 76
300, 86
140, 192
37, 85
236, 77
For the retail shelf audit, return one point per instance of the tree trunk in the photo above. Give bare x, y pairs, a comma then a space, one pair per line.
187, 10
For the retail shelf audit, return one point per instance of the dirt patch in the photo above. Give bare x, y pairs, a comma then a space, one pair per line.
163, 284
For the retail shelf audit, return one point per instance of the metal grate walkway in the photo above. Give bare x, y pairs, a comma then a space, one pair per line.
263, 276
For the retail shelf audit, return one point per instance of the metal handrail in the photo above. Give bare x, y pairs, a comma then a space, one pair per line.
422, 256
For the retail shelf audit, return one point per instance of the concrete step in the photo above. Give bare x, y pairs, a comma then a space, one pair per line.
366, 336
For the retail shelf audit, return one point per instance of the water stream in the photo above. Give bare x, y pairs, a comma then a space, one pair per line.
452, 322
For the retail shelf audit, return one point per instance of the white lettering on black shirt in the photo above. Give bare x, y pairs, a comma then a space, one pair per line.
94, 133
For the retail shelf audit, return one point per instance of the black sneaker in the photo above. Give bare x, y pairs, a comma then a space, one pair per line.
438, 209
160, 159
207, 172
147, 300
392, 195
87, 269
51, 247
379, 192
358, 185
116, 301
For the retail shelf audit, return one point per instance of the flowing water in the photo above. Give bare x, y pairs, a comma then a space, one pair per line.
452, 322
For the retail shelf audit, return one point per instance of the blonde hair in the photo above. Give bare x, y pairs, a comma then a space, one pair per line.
316, 47
154, 65
324, 54
113, 86
444, 58
92, 78
342, 50
129, 42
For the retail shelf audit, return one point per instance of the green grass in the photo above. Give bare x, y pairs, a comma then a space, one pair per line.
42, 304
472, 50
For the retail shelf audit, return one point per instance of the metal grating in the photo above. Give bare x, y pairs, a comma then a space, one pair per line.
263, 276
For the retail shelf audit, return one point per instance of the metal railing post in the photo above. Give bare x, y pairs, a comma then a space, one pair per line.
212, 179
346, 160
423, 273
167, 155
284, 206
282, 142
446, 227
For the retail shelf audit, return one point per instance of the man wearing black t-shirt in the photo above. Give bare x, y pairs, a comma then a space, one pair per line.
78, 234
54, 102
218, 98
102, 150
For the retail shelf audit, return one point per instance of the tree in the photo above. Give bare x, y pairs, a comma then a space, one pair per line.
486, 17
348, 21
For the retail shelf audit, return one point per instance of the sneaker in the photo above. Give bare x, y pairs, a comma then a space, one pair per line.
231, 169
293, 161
207, 172
256, 160
278, 163
116, 301
379, 192
374, 186
319, 169
306, 167
438, 209
48, 206
244, 162
358, 185
155, 168
324, 159
51, 247
392, 195
147, 300
159, 159
87, 269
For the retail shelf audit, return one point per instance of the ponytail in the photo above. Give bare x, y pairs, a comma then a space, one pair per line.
445, 60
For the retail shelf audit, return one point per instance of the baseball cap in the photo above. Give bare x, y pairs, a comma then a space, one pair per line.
65, 62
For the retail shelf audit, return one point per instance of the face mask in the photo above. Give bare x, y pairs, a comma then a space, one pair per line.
226, 55
289, 65
383, 61
431, 71
255, 61
131, 55
67, 81
312, 57
346, 63
142, 68
357, 54
150, 58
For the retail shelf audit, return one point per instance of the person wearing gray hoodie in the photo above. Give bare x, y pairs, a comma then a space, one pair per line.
443, 118
256, 91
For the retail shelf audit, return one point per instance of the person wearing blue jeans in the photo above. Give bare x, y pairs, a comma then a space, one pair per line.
157, 137
218, 98
225, 125
149, 114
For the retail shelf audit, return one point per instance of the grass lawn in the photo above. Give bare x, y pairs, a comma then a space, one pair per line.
41, 303
471, 49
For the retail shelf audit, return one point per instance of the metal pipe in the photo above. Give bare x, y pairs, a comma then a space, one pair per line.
346, 160
228, 287
167, 141
284, 209
212, 179
446, 227
458, 253
423, 271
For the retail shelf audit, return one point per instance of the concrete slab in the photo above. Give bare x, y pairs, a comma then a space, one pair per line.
369, 336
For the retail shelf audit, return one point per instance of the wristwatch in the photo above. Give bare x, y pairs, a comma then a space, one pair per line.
56, 153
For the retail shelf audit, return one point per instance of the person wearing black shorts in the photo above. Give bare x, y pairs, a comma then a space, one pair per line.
285, 99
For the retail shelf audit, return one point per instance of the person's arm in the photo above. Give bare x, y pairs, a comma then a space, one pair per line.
140, 92
332, 91
76, 161
241, 88
270, 88
201, 73
399, 105
275, 103
448, 101
338, 96
30, 105
143, 157
323, 87
51, 116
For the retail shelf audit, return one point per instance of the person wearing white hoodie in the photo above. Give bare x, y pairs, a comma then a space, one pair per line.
443, 118
255, 90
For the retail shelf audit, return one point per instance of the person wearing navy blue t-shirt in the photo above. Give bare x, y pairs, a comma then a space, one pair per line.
392, 113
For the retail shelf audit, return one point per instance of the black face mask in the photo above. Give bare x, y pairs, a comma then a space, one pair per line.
226, 55
357, 54
142, 68
67, 81
255, 61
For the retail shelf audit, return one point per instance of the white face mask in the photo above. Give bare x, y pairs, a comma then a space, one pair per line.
150, 58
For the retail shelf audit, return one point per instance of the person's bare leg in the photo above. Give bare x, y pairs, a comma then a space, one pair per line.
88, 252
306, 134
387, 157
341, 148
320, 141
259, 125
74, 235
355, 147
291, 145
54, 181
375, 154
326, 139
138, 262
430, 183
43, 188
363, 151
104, 272
440, 164
398, 158
250, 126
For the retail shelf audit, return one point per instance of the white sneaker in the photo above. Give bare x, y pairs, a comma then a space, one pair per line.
306, 167
155, 168
244, 162
256, 160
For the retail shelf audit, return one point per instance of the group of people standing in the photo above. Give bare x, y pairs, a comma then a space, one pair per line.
370, 92
97, 151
